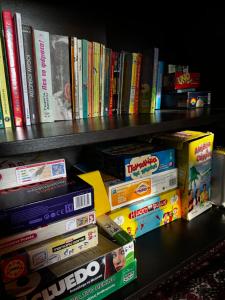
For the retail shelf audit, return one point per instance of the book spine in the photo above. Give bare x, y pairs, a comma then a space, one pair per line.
96, 77
90, 79
1, 115
13, 65
80, 84
21, 59
102, 79
60, 71
133, 83
137, 87
107, 81
121, 75
76, 78
30, 74
115, 83
126, 82
5, 105
43, 75
154, 80
72, 75
159, 85
85, 77
112, 64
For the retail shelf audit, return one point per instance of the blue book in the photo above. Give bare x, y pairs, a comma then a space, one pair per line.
85, 77
159, 85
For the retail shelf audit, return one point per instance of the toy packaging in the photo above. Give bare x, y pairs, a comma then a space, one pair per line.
15, 173
198, 99
148, 214
37, 235
93, 274
43, 203
124, 193
194, 158
20, 263
132, 161
218, 177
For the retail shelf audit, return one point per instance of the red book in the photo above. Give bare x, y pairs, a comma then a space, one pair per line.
13, 66
112, 63
137, 87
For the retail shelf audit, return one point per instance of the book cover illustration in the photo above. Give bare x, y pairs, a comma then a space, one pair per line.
43, 75
60, 68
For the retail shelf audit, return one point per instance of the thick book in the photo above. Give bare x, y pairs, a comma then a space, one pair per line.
22, 68
148, 80
79, 76
43, 75
133, 82
4, 81
60, 69
115, 83
120, 85
13, 67
111, 82
74, 78
102, 79
29, 64
127, 76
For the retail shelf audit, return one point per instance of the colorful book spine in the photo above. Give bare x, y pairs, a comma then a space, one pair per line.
44, 77
107, 80
133, 82
115, 83
154, 80
13, 67
137, 87
127, 75
1, 114
111, 85
79, 76
30, 73
5, 105
159, 85
96, 77
72, 76
90, 79
85, 77
120, 87
21, 59
76, 78
60, 70
102, 79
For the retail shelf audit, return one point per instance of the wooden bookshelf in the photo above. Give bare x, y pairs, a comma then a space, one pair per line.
63, 134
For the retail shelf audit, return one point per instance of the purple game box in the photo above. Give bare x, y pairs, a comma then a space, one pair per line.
25, 208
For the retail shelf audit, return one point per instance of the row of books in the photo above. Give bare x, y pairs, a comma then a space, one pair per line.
46, 77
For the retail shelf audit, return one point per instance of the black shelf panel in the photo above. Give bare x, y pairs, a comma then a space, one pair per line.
163, 251
62, 134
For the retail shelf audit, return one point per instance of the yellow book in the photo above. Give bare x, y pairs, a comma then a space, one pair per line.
133, 82
101, 200
4, 92
96, 78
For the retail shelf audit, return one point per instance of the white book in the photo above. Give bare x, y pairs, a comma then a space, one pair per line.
19, 37
43, 75
79, 62
76, 78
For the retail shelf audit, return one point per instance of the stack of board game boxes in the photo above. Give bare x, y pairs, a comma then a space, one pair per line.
49, 245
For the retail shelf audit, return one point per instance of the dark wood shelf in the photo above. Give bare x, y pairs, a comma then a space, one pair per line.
162, 252
62, 134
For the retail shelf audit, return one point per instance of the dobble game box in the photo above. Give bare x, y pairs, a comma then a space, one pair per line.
148, 214
194, 159
93, 274
132, 161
